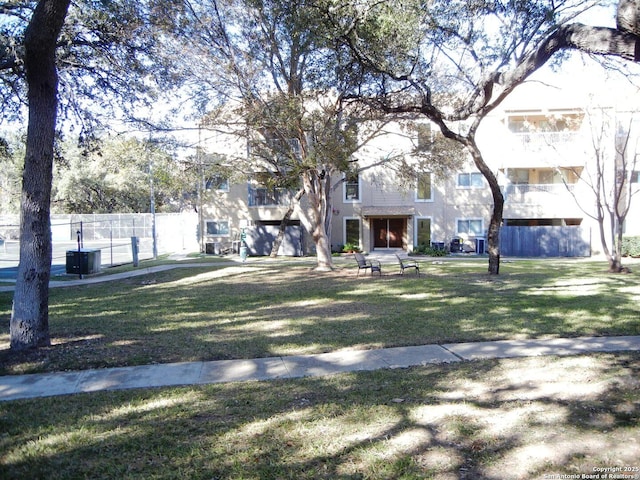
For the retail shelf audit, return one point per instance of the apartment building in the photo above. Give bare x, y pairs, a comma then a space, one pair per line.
540, 144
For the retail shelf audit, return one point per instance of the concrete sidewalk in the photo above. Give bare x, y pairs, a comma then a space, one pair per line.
91, 279
74, 280
200, 373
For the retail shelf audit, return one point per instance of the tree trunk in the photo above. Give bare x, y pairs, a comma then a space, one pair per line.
283, 224
323, 251
615, 265
493, 239
314, 217
29, 326
493, 234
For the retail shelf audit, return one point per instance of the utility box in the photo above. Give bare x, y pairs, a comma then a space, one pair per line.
83, 261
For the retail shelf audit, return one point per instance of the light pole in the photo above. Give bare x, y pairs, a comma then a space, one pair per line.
199, 193
152, 201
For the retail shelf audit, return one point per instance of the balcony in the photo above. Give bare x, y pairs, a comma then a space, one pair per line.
547, 138
543, 141
537, 193
538, 200
269, 197
523, 189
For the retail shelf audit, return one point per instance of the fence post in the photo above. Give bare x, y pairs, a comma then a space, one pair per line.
111, 240
79, 257
134, 250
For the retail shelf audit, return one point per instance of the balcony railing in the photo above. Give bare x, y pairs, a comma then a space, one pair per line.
528, 191
266, 197
533, 141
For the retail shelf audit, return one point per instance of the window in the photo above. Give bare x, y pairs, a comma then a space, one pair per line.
352, 188
470, 227
423, 189
423, 232
635, 177
217, 182
274, 147
518, 175
352, 231
536, 122
218, 227
425, 136
547, 177
263, 193
470, 180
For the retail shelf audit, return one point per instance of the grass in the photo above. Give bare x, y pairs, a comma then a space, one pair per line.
506, 419
236, 311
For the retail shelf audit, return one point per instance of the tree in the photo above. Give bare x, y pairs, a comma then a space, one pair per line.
464, 58
103, 60
30, 315
112, 175
614, 148
29, 74
268, 72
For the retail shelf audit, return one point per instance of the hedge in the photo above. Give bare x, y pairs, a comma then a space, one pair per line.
631, 246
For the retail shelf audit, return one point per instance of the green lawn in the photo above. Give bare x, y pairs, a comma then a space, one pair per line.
529, 418
260, 310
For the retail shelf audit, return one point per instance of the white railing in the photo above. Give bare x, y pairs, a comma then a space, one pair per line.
528, 188
544, 140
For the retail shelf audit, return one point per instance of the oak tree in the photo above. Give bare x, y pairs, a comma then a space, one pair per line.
30, 314
90, 60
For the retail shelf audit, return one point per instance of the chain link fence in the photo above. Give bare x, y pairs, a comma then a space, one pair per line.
110, 233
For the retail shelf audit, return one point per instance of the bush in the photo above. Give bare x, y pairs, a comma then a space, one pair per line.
350, 248
631, 246
429, 251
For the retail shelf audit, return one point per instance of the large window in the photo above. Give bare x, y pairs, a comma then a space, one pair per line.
470, 180
262, 193
218, 227
538, 123
470, 227
352, 188
352, 231
424, 192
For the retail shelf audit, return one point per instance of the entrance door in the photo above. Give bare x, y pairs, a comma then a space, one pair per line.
388, 232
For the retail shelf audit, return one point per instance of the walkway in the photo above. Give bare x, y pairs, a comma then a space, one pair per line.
201, 373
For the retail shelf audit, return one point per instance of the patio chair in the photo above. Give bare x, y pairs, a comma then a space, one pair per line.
406, 262
364, 264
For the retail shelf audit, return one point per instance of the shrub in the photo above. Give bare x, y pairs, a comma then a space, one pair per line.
350, 247
631, 246
428, 250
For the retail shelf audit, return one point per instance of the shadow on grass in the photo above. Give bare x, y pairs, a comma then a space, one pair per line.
502, 419
213, 313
